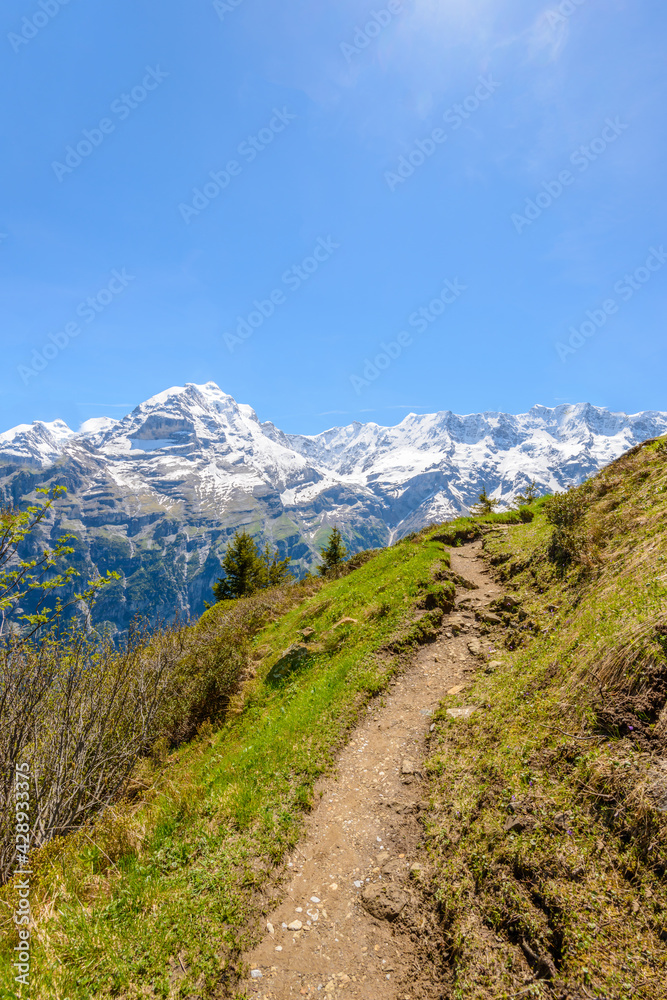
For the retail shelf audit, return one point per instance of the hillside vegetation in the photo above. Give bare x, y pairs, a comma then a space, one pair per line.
548, 818
159, 894
547, 808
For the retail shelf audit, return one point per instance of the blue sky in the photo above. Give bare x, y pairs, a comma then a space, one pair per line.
365, 156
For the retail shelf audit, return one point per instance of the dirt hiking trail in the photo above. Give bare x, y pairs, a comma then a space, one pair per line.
352, 924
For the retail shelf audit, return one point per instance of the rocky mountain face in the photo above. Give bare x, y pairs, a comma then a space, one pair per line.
157, 495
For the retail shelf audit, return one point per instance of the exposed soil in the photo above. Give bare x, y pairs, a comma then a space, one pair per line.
354, 922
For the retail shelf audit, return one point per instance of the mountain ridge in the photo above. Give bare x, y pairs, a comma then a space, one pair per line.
158, 493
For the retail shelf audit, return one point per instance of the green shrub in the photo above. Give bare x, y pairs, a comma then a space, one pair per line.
565, 510
566, 513
360, 559
82, 712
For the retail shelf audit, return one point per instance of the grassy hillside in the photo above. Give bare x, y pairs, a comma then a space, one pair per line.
548, 817
547, 807
159, 894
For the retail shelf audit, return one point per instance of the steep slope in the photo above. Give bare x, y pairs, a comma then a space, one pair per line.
158, 494
531, 860
547, 827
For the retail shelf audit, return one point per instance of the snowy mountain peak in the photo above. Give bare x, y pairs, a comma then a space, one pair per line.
187, 467
37, 445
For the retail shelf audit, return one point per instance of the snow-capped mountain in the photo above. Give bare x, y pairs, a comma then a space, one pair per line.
158, 493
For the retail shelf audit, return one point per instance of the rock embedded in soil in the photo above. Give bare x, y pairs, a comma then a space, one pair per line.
384, 902
517, 824
489, 618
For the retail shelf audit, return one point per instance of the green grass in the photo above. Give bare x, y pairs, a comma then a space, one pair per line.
181, 876
567, 745
581, 880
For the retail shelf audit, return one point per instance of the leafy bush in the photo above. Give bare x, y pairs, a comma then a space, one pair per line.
81, 712
360, 559
566, 512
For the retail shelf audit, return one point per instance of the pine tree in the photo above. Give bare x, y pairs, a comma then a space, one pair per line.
530, 494
247, 570
333, 554
275, 571
486, 505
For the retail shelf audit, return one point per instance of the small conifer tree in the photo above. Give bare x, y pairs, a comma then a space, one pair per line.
275, 571
486, 505
529, 495
333, 554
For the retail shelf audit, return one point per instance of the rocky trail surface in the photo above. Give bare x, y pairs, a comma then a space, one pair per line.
352, 923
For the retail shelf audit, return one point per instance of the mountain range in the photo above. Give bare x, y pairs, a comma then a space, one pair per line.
157, 494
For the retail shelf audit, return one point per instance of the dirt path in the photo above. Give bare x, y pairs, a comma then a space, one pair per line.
363, 838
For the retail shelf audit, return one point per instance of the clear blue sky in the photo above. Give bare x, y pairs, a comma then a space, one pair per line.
308, 114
